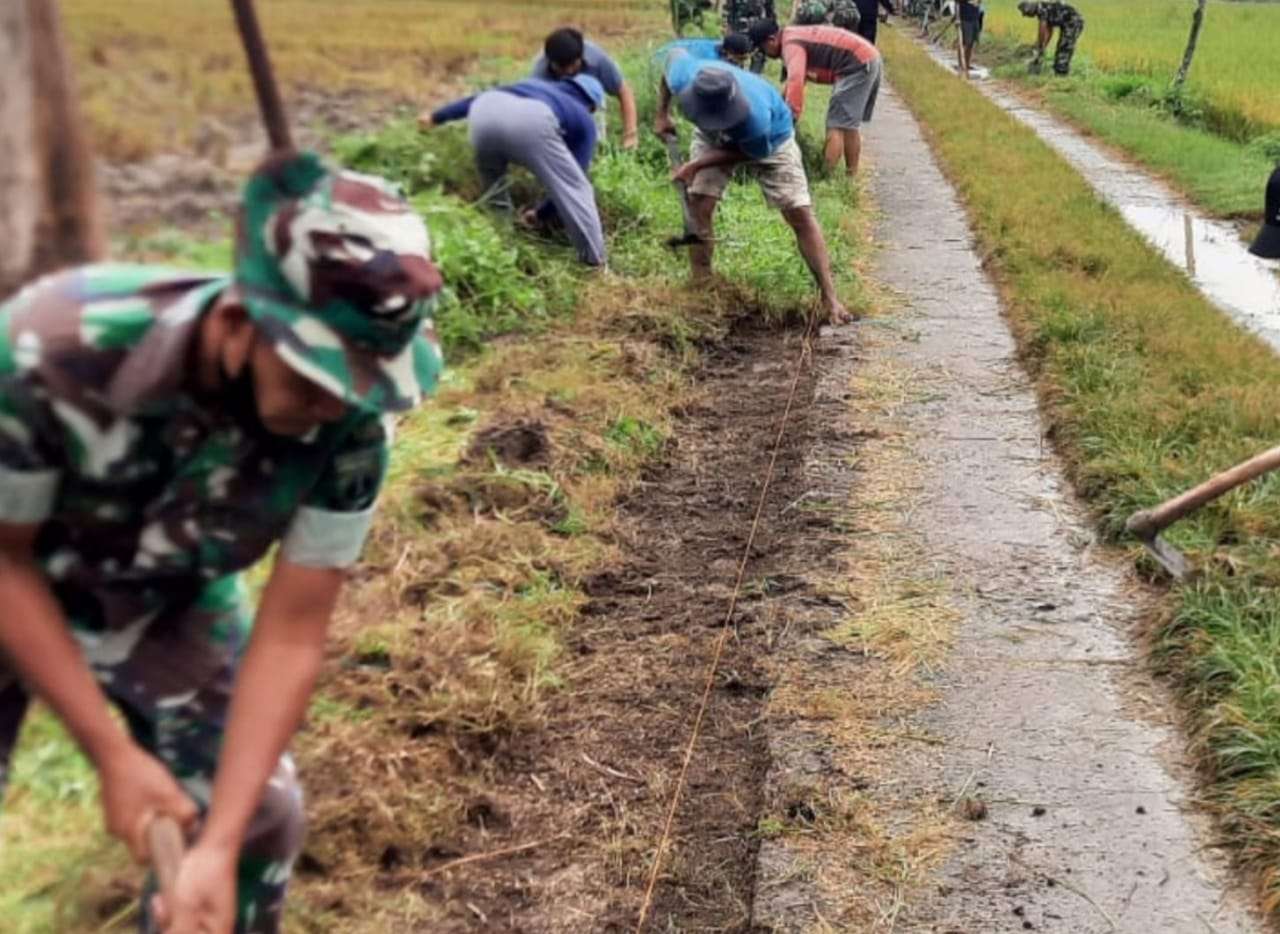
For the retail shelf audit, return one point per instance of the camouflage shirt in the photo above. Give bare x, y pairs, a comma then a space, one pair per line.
149, 497
811, 13
1058, 15
740, 14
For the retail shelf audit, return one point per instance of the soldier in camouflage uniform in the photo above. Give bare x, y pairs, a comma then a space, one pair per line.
842, 13
1053, 14
159, 432
688, 12
846, 15
738, 15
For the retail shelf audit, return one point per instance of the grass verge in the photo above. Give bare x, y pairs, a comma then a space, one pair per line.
1148, 390
499, 503
1135, 113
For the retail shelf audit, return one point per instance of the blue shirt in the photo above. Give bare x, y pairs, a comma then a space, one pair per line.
576, 126
595, 62
767, 126
704, 50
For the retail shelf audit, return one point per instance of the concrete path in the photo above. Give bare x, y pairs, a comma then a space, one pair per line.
1042, 710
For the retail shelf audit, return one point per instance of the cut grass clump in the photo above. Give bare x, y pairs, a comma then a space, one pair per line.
1148, 390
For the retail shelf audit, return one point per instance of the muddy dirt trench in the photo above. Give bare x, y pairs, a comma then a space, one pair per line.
598, 782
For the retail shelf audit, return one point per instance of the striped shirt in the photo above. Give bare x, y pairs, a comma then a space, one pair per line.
823, 55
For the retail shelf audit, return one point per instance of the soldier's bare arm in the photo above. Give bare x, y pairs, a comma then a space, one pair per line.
274, 684
272, 690
35, 637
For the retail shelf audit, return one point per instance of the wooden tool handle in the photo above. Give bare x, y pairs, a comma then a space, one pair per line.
167, 847
1149, 522
672, 141
264, 82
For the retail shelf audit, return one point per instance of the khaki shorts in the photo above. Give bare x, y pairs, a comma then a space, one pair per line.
781, 175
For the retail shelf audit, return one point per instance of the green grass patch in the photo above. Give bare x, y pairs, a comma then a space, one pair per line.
1149, 390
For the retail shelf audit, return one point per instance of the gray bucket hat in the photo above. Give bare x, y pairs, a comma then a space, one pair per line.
714, 100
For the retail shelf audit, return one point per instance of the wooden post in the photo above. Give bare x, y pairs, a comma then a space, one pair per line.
1197, 22
48, 205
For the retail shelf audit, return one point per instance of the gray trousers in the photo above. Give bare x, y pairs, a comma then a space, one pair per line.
505, 129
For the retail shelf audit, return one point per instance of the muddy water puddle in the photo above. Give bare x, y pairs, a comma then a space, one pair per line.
1209, 251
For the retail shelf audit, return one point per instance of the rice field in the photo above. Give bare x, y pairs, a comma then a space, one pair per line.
1237, 66
152, 72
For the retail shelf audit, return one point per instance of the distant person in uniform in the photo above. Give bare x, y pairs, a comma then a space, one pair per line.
689, 12
970, 15
1053, 14
828, 55
566, 53
738, 16
1267, 243
870, 15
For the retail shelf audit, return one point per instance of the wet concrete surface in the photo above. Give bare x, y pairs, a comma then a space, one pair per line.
1210, 251
1043, 710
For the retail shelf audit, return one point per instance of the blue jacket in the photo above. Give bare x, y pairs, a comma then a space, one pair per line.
576, 125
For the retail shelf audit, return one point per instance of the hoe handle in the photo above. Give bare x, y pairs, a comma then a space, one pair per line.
677, 159
264, 82
165, 841
1149, 522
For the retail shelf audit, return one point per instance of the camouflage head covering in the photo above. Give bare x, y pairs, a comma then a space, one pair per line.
846, 15
334, 268
1029, 8
811, 13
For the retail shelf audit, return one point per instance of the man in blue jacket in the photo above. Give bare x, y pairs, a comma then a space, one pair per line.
545, 126
742, 120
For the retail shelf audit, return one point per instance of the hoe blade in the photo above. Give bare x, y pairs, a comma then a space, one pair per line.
1168, 557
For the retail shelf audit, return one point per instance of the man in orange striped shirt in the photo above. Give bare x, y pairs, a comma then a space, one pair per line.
828, 55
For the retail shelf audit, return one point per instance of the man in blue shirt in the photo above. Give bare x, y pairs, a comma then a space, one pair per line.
566, 53
734, 48
545, 126
741, 119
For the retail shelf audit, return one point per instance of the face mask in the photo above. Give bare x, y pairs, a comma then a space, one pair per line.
236, 398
